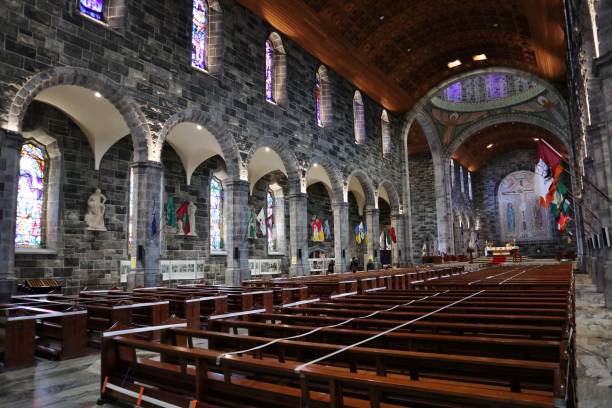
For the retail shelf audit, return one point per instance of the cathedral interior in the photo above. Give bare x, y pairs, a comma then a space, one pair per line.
316, 203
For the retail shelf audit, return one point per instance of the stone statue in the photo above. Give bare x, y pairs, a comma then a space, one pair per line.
95, 211
192, 224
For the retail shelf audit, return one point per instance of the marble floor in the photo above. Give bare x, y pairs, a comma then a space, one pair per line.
593, 346
75, 383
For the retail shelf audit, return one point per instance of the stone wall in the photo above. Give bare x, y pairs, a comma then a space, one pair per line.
486, 183
83, 258
423, 201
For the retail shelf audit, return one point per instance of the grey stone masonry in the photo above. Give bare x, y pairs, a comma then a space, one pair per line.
148, 188
298, 233
373, 251
237, 218
341, 234
10, 147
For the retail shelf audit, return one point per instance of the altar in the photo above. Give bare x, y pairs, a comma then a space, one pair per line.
505, 250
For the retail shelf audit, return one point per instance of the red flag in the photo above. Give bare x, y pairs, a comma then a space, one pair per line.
392, 235
562, 222
549, 156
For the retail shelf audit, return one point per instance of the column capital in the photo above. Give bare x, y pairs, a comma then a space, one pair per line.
146, 164
371, 211
396, 214
235, 183
297, 196
340, 205
10, 138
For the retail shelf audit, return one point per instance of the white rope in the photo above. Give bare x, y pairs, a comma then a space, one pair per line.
297, 336
142, 329
236, 314
343, 349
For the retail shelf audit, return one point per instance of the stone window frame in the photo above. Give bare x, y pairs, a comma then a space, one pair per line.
115, 14
325, 99
51, 216
279, 70
223, 250
280, 241
385, 131
214, 41
359, 119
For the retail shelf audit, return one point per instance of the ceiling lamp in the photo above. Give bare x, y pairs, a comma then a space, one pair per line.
536, 139
480, 57
97, 94
490, 145
381, 18
315, 165
454, 63
199, 127
267, 149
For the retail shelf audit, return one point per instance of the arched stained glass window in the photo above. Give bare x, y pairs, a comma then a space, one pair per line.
469, 184
318, 99
270, 225
199, 34
269, 71
359, 119
216, 214
386, 134
92, 8
461, 178
452, 171
31, 196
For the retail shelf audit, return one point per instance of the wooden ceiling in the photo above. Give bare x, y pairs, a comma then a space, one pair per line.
473, 153
398, 50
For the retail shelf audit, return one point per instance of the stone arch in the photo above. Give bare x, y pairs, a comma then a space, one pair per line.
366, 184
288, 158
334, 174
394, 199
142, 138
220, 133
469, 131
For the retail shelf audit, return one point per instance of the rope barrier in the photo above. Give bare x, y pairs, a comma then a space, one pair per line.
300, 367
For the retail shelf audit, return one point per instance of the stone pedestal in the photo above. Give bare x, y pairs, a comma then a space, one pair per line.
373, 245
341, 236
148, 195
298, 234
236, 224
10, 149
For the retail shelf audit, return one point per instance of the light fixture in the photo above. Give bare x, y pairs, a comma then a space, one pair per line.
479, 57
409, 50
454, 63
381, 18
490, 145
495, 25
315, 165
97, 94
267, 149
199, 127
536, 139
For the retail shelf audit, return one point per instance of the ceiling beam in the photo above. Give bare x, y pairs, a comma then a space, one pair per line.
299, 23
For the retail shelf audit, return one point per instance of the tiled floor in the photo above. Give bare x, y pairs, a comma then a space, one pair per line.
75, 383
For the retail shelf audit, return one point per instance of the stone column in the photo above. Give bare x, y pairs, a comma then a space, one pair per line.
298, 234
10, 149
341, 236
399, 248
147, 190
373, 245
237, 219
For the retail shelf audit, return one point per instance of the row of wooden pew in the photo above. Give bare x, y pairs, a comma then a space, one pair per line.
454, 340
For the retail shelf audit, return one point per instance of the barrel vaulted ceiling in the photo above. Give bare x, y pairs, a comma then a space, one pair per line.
398, 50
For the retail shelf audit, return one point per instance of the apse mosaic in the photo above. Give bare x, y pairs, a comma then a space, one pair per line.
216, 214
199, 34
92, 8
31, 196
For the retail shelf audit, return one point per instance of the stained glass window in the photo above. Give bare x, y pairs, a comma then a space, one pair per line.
453, 92
318, 99
452, 171
31, 196
199, 34
359, 118
270, 227
269, 72
386, 134
461, 178
496, 86
469, 185
131, 214
92, 8
216, 214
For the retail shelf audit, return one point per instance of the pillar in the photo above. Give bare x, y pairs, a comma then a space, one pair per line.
341, 236
10, 149
148, 195
298, 234
236, 219
373, 245
399, 249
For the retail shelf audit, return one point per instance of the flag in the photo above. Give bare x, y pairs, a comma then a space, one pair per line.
388, 242
261, 219
358, 234
183, 215
251, 229
381, 241
562, 222
392, 235
170, 215
547, 172
327, 230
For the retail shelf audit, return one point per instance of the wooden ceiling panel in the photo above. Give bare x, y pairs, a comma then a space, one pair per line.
396, 51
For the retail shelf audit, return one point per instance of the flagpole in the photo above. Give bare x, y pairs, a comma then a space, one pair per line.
573, 173
582, 205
